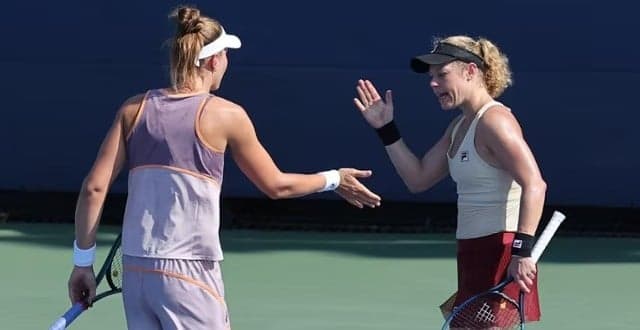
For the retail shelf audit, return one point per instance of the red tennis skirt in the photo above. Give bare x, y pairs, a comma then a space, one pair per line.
483, 263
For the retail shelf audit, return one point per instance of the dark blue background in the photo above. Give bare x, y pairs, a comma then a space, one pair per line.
67, 66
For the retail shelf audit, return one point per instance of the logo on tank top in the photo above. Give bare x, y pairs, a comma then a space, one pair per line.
464, 156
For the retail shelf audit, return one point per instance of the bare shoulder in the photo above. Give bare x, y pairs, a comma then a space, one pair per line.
224, 110
498, 120
128, 112
223, 104
130, 106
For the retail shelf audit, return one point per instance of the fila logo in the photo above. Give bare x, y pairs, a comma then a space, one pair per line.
517, 243
464, 156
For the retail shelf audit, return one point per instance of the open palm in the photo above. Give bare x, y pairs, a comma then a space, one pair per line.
376, 111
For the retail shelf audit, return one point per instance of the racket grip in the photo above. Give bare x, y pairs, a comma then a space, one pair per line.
556, 220
68, 317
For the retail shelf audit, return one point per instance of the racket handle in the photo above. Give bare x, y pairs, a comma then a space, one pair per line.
68, 317
556, 220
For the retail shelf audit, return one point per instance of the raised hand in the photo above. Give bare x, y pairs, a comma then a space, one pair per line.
376, 111
355, 192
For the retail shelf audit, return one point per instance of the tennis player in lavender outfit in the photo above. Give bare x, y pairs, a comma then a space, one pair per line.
173, 141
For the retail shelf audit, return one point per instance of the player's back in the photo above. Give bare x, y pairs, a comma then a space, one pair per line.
173, 204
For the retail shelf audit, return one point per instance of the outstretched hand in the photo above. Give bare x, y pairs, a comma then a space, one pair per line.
376, 111
355, 192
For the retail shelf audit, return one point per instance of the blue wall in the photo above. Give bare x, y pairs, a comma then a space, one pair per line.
67, 67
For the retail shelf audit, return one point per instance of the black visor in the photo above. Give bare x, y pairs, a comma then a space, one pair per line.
444, 53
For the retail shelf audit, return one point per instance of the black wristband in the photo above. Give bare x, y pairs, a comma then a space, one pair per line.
388, 133
522, 245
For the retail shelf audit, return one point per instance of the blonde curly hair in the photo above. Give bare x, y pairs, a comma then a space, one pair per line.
496, 74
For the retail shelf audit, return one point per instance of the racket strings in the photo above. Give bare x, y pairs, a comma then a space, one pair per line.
116, 270
485, 314
492, 311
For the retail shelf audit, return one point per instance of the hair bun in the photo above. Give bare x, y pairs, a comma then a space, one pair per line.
188, 20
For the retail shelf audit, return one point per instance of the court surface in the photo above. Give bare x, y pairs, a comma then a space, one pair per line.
339, 281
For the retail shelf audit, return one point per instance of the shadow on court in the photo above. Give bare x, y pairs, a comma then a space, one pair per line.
395, 230
53, 235
406, 246
375, 245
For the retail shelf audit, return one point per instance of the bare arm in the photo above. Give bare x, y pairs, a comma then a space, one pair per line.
503, 137
109, 161
501, 134
417, 174
256, 163
420, 175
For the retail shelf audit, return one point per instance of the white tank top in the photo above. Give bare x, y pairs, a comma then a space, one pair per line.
488, 197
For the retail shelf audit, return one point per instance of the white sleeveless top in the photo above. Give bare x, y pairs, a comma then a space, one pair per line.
488, 197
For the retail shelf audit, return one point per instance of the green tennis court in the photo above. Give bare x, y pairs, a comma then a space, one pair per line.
311, 280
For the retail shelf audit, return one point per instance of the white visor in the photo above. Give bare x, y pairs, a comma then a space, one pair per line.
223, 41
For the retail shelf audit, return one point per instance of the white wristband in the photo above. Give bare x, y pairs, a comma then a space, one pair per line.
83, 258
332, 180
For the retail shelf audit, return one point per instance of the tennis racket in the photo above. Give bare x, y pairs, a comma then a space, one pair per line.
111, 271
493, 309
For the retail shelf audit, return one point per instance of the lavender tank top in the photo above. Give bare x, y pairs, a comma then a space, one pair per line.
173, 202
